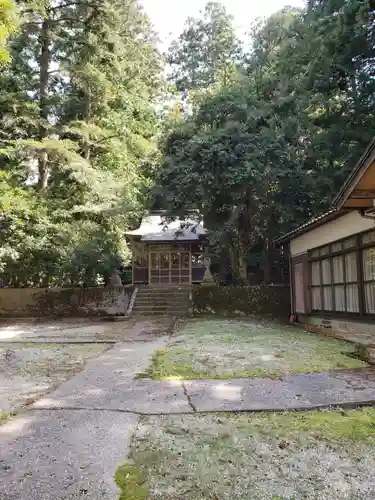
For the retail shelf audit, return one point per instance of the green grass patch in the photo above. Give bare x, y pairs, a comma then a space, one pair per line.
258, 455
129, 479
165, 367
5, 416
338, 425
225, 349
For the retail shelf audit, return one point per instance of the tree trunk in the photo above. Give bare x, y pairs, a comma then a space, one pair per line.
242, 265
233, 261
238, 262
86, 117
44, 62
91, 14
266, 263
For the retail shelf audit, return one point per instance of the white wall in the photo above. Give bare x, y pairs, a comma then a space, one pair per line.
343, 227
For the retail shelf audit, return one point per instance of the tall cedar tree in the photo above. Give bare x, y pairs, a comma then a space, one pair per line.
76, 124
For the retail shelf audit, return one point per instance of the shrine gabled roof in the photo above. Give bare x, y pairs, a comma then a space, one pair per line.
155, 227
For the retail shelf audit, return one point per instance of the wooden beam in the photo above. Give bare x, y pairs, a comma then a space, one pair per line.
367, 159
358, 203
363, 194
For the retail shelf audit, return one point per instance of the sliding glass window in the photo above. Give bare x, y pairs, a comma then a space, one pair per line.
334, 277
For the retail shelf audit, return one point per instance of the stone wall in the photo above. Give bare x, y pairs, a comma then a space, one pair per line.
269, 301
44, 302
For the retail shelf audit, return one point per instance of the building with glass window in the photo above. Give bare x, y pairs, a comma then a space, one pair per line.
332, 257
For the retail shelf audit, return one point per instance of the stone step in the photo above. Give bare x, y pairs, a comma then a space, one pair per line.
138, 307
157, 301
163, 292
166, 295
162, 299
160, 309
159, 305
182, 286
172, 297
159, 313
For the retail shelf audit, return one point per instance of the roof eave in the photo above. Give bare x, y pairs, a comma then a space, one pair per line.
319, 221
347, 188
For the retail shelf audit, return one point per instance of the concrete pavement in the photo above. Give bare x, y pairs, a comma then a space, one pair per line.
69, 444
62, 454
149, 397
55, 454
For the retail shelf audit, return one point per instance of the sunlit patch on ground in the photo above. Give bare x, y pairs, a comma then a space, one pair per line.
83, 330
235, 348
31, 369
328, 455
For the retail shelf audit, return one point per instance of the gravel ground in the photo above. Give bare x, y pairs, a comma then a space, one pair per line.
29, 370
234, 348
314, 455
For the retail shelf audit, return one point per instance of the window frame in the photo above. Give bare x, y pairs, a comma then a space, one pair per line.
358, 249
366, 281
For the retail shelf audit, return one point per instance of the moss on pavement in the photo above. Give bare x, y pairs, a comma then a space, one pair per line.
5, 416
129, 479
232, 348
328, 455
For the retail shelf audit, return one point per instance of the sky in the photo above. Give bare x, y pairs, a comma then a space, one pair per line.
168, 16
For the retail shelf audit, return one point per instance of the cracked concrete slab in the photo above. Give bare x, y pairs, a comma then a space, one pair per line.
335, 387
138, 396
242, 394
28, 370
58, 454
298, 391
83, 330
124, 360
108, 383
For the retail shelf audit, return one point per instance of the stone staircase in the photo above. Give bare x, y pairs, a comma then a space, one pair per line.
162, 300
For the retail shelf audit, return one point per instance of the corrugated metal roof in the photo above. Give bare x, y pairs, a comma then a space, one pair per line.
155, 228
302, 229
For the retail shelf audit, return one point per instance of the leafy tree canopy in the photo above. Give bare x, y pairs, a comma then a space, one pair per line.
268, 152
77, 124
258, 135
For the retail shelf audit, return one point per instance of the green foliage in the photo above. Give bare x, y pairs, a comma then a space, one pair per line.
129, 479
352, 425
77, 126
250, 301
206, 52
259, 141
8, 25
266, 153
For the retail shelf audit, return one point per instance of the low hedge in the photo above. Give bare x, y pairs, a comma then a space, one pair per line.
231, 300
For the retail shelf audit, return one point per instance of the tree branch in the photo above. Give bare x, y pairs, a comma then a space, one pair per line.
108, 138
69, 4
